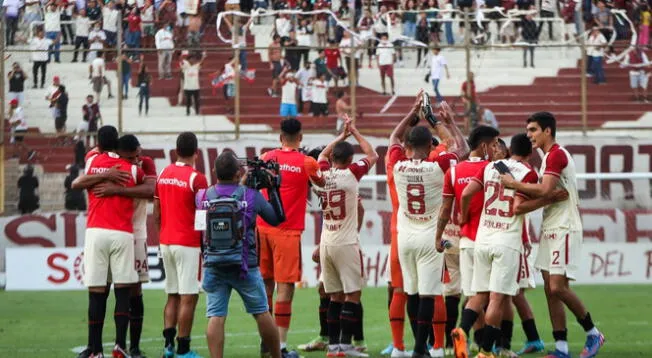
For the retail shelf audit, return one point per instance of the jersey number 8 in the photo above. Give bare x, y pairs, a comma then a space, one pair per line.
416, 200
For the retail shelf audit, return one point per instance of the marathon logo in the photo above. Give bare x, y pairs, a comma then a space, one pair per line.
462, 181
289, 168
99, 170
173, 181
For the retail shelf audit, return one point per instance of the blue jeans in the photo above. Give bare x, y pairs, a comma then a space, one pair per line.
126, 78
435, 86
448, 25
52, 35
133, 40
243, 60
218, 284
598, 70
409, 29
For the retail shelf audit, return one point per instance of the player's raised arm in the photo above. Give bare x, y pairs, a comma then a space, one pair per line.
408, 121
88, 180
457, 143
325, 154
367, 148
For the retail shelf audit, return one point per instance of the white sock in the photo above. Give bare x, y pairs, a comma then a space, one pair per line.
284, 345
562, 346
593, 332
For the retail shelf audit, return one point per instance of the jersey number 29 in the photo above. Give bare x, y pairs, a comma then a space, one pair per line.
333, 203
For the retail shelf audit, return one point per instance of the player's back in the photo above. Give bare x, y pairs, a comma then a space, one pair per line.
499, 225
563, 214
339, 202
175, 188
296, 169
419, 186
461, 176
112, 212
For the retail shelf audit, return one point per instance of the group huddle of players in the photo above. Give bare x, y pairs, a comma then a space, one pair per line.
459, 226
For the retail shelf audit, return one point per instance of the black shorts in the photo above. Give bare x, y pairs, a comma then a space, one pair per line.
17, 136
319, 108
60, 122
277, 69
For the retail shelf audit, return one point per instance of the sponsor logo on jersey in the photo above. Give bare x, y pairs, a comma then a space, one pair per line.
289, 168
173, 181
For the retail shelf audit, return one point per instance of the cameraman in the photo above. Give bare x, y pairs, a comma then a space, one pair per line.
220, 278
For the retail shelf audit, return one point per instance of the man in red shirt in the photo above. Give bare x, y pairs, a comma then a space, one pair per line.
108, 244
483, 142
333, 60
280, 247
174, 214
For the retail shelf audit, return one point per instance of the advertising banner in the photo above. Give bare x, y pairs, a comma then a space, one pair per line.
63, 269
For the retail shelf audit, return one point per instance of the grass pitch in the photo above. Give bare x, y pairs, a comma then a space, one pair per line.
52, 324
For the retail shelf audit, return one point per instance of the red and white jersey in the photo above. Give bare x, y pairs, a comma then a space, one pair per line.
457, 178
140, 215
419, 185
339, 202
498, 223
564, 214
111, 212
176, 187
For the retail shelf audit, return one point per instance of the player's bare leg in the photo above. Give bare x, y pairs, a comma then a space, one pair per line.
170, 320
534, 344
504, 343
493, 318
266, 328
187, 304
559, 293
283, 310
473, 309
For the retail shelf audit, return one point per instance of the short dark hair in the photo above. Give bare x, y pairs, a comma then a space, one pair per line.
128, 143
520, 145
482, 134
419, 137
315, 152
226, 166
339, 94
107, 138
343, 152
186, 144
544, 120
290, 127
435, 142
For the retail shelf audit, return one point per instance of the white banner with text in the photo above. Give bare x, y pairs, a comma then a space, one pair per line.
63, 268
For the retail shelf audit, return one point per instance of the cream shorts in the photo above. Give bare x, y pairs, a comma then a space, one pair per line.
108, 254
496, 269
559, 252
341, 268
182, 269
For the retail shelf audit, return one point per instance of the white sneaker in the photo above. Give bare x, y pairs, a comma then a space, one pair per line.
349, 351
397, 353
437, 353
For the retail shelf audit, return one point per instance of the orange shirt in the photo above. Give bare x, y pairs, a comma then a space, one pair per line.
296, 170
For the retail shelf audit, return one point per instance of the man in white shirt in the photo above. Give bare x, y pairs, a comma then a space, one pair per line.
319, 96
96, 38
596, 44
53, 29
352, 55
18, 126
164, 40
12, 12
437, 64
190, 68
39, 45
97, 75
110, 23
282, 26
289, 86
386, 58
304, 75
82, 26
